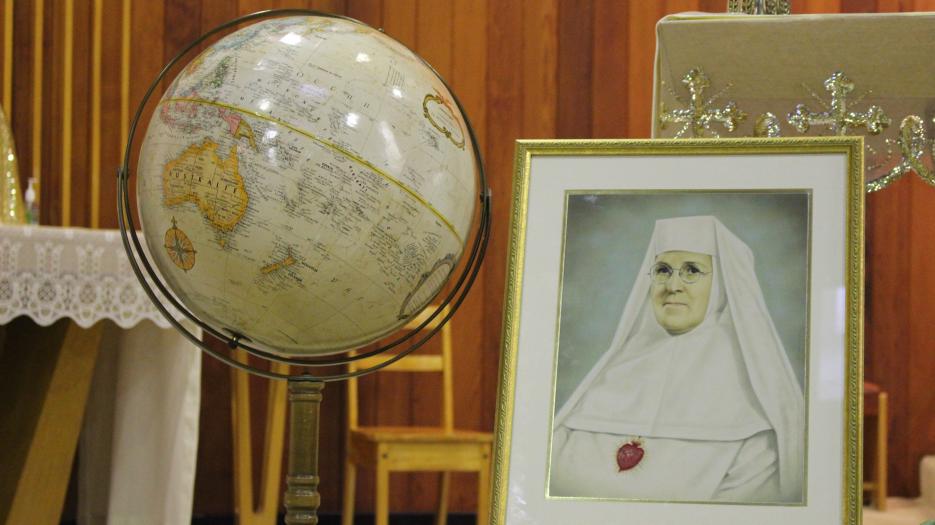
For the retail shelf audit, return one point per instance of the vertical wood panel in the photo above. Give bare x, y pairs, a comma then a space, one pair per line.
7, 57
329, 6
22, 78
888, 326
369, 12
504, 118
399, 21
816, 6
610, 90
112, 119
95, 145
38, 45
642, 45
888, 6
920, 395
51, 187
68, 61
859, 6
76, 158
540, 74
576, 38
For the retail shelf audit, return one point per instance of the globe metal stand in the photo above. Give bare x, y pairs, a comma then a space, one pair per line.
301, 498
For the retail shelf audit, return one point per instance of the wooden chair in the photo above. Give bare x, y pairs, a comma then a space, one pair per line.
408, 449
875, 404
249, 509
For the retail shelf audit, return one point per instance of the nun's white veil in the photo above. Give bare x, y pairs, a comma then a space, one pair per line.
765, 391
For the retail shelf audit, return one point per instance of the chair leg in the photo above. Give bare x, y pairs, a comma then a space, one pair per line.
382, 509
880, 493
350, 483
483, 490
441, 513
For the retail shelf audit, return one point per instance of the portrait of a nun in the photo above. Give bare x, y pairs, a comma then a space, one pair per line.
695, 399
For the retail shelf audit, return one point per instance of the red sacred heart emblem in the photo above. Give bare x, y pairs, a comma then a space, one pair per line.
629, 455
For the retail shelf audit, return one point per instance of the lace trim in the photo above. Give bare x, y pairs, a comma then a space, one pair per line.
50, 273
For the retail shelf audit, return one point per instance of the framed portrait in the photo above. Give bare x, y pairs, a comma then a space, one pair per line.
683, 334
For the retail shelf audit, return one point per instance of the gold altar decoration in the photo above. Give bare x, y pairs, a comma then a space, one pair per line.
12, 210
759, 7
700, 114
874, 68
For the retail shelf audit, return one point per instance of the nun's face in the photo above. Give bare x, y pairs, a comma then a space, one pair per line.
679, 305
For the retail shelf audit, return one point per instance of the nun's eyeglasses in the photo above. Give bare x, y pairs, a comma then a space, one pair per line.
689, 273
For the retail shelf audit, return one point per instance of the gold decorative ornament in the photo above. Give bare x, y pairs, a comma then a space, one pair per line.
759, 7
12, 210
911, 142
767, 125
836, 115
699, 116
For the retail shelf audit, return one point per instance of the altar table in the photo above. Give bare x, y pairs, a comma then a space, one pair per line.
79, 330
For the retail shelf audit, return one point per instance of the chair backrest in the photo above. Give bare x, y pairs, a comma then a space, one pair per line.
413, 363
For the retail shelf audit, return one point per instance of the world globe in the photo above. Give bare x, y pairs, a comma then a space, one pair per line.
306, 183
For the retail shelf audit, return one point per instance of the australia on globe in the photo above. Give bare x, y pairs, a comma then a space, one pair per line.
308, 183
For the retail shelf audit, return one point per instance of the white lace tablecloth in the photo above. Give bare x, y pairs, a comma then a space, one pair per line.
140, 434
51, 273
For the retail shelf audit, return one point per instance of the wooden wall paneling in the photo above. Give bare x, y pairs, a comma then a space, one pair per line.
399, 21
682, 6
920, 395
888, 6
22, 77
816, 6
859, 6
94, 99
111, 141
7, 71
329, 6
504, 126
576, 57
610, 88
468, 77
77, 157
50, 186
369, 12
245, 7
540, 73
36, 123
887, 324
712, 6
126, 46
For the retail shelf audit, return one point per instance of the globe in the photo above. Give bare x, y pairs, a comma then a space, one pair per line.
306, 183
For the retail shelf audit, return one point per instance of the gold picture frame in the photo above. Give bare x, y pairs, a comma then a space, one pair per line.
790, 377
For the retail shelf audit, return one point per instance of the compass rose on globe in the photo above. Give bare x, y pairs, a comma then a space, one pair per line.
179, 247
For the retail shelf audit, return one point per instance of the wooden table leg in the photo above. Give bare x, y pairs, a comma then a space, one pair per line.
45, 375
